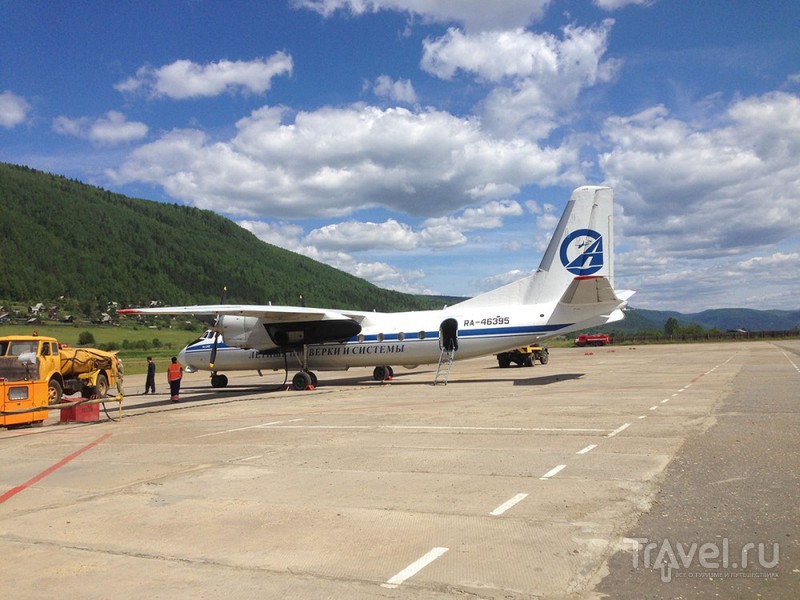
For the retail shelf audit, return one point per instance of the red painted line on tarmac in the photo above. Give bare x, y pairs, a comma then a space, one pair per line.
14, 491
696, 379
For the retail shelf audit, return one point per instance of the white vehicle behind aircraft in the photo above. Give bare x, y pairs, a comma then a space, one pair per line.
571, 290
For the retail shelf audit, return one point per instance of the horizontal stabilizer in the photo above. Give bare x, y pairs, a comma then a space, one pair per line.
589, 290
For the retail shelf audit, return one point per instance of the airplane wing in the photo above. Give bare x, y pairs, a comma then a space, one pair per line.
267, 312
283, 326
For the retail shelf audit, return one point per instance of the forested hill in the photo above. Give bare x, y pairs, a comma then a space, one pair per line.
60, 237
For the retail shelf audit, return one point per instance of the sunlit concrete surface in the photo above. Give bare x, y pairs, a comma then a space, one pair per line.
506, 483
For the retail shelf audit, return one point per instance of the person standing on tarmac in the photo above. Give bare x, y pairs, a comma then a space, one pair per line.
150, 382
174, 375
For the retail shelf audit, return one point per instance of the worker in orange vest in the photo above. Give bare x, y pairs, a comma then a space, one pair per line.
174, 375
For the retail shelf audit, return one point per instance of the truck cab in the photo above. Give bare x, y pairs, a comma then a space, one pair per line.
23, 396
48, 360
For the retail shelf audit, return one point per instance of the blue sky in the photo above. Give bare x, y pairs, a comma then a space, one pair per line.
429, 146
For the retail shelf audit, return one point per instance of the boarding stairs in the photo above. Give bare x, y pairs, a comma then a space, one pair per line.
445, 356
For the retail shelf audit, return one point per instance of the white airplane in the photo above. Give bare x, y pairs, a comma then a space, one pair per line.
571, 290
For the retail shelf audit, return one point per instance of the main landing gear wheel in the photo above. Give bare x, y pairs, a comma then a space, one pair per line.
219, 381
303, 380
382, 373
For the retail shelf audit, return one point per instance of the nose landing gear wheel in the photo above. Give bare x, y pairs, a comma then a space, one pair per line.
219, 381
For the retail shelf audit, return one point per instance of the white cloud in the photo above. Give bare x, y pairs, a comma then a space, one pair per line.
13, 109
473, 14
785, 263
537, 78
714, 191
113, 128
282, 234
184, 79
496, 281
400, 90
488, 216
436, 233
353, 236
617, 4
379, 273
442, 236
670, 283
335, 161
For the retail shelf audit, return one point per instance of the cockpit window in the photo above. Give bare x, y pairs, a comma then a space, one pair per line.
207, 335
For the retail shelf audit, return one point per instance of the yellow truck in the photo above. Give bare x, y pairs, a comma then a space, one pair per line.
524, 356
66, 370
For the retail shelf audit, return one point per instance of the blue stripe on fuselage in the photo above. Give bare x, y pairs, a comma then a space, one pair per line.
487, 332
467, 333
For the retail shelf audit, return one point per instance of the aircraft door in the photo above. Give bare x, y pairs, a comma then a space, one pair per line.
448, 335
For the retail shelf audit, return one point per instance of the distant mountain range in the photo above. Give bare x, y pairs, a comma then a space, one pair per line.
724, 319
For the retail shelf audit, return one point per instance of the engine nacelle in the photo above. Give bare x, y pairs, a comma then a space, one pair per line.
300, 333
243, 332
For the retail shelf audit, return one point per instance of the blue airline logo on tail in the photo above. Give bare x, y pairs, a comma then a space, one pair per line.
582, 252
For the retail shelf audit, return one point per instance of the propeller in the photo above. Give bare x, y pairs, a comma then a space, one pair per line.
216, 331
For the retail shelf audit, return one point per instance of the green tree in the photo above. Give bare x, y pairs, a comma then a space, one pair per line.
671, 326
86, 338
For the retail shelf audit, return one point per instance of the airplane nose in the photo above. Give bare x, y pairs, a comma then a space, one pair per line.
183, 359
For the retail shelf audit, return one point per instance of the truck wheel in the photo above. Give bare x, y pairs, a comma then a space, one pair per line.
101, 387
503, 361
54, 392
544, 358
528, 362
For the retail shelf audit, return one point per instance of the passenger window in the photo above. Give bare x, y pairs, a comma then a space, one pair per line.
380, 337
421, 335
401, 336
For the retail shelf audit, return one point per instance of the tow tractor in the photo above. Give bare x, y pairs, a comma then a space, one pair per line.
525, 356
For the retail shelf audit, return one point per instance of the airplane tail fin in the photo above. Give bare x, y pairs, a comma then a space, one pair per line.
577, 267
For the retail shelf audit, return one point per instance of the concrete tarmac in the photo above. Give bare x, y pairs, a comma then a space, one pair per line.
609, 472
